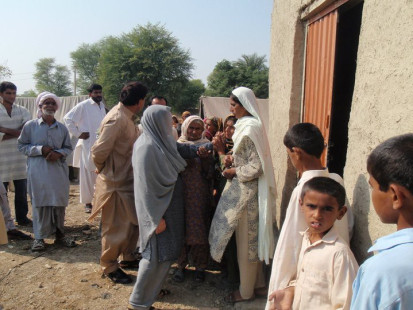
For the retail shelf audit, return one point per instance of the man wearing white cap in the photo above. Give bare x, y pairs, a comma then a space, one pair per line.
83, 121
46, 143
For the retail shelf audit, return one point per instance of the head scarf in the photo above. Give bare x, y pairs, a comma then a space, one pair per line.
184, 130
42, 97
253, 127
156, 164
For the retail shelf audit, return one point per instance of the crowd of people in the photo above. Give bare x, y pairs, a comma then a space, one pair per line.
202, 192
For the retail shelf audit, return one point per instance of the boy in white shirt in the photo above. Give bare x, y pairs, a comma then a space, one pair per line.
326, 266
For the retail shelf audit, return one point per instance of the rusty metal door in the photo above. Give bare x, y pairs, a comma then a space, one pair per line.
319, 74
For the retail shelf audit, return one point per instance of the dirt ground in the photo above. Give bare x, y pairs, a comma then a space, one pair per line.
62, 278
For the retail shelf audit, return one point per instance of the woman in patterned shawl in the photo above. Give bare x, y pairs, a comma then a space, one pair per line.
197, 181
247, 202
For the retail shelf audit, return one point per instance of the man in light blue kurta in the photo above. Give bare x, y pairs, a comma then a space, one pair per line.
46, 143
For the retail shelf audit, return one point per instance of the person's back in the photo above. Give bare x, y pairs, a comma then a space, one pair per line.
385, 281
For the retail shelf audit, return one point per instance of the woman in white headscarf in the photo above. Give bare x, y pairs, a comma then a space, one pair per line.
247, 202
197, 181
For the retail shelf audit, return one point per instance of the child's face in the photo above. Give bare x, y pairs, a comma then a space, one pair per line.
320, 212
383, 203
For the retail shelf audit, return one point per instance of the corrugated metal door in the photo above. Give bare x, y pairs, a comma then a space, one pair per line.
319, 73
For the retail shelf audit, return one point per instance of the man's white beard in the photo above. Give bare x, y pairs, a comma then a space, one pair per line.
49, 113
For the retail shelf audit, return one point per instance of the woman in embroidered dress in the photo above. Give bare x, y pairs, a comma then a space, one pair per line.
247, 202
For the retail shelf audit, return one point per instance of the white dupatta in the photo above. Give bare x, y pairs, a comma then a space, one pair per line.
253, 127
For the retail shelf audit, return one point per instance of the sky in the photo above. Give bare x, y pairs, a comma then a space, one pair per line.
212, 30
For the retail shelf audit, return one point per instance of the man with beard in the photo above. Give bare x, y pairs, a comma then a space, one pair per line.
83, 121
46, 143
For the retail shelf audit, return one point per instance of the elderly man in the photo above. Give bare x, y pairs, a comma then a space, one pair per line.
83, 121
46, 143
112, 155
12, 163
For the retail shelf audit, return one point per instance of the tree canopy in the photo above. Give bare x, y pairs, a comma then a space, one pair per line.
85, 61
149, 54
5, 72
249, 71
190, 95
52, 77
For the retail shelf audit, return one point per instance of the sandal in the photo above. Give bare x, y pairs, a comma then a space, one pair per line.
163, 293
199, 276
38, 245
65, 241
235, 297
179, 276
129, 264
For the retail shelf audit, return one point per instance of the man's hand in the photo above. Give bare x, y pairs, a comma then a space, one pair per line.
161, 227
53, 156
84, 135
282, 299
46, 150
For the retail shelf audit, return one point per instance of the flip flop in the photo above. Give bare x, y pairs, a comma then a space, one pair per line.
163, 293
232, 299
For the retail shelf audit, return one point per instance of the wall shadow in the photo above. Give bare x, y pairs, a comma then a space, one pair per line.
361, 240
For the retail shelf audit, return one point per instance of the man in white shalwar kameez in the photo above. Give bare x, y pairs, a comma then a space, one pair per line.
83, 122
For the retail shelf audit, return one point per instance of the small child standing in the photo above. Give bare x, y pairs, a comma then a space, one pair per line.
305, 144
326, 266
385, 281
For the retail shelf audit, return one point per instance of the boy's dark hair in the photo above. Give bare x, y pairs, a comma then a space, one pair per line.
392, 162
7, 85
326, 186
94, 87
159, 98
132, 92
307, 137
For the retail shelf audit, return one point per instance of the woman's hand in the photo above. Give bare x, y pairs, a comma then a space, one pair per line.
161, 227
203, 152
219, 143
229, 173
228, 161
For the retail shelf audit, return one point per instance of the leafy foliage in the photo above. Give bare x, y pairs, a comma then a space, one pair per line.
190, 96
249, 71
52, 77
29, 93
85, 61
5, 72
149, 54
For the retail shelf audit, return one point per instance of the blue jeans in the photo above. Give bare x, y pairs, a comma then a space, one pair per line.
20, 199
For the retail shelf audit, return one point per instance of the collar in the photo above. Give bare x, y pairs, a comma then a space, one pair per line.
309, 174
392, 240
93, 102
329, 237
125, 110
41, 121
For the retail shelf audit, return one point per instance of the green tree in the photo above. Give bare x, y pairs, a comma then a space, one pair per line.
85, 61
29, 93
149, 54
190, 96
249, 71
5, 72
52, 77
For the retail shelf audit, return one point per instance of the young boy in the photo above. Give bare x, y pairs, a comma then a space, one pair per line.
326, 266
385, 281
305, 144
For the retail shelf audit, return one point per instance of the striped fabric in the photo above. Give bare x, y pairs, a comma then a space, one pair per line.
12, 162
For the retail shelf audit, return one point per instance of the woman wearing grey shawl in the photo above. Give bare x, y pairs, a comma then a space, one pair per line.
158, 200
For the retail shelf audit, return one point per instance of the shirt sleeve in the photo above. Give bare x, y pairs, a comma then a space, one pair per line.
72, 119
66, 148
26, 116
253, 168
105, 143
24, 143
345, 269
